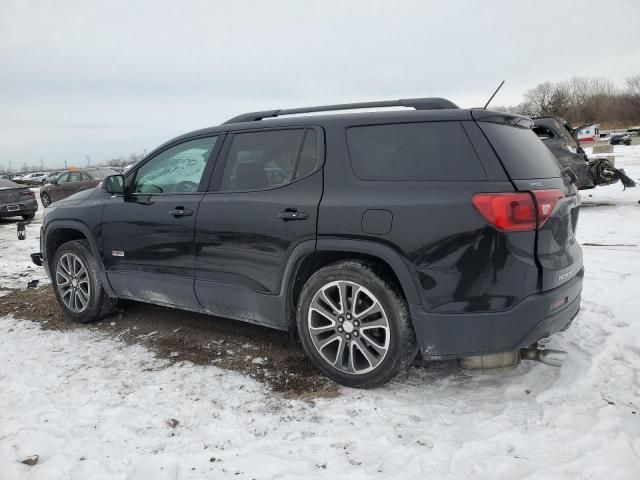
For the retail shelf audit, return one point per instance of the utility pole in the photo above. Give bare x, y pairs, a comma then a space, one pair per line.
41, 164
88, 160
65, 163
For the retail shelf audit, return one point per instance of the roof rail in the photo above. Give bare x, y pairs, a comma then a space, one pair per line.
417, 103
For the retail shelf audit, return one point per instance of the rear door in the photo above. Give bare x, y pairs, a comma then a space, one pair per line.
262, 204
532, 167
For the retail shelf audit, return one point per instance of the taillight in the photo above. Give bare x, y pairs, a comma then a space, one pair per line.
546, 201
28, 193
517, 211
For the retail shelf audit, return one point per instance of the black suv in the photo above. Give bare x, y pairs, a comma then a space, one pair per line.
372, 236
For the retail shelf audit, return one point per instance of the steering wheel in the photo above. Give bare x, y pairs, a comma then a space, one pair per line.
186, 186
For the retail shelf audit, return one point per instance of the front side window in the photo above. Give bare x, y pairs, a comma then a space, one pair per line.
64, 178
178, 169
269, 159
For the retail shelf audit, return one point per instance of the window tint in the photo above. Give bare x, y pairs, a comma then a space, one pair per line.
522, 153
64, 178
413, 151
178, 169
259, 160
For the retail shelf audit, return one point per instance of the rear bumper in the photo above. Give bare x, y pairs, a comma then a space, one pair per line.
24, 208
459, 335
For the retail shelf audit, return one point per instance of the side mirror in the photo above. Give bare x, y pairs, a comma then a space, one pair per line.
113, 184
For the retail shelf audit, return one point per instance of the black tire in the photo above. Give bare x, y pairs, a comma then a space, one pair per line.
99, 303
46, 200
402, 346
28, 216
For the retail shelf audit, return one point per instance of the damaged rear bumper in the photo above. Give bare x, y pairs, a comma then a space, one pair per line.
443, 336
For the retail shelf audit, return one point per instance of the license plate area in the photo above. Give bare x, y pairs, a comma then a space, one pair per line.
13, 208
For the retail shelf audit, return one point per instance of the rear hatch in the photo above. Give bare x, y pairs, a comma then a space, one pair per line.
531, 167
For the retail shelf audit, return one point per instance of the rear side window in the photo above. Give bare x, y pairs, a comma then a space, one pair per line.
413, 151
522, 153
269, 159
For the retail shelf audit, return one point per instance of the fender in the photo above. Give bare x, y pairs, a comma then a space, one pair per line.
84, 229
383, 252
367, 247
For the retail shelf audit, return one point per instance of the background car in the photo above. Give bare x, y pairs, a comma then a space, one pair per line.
31, 178
73, 181
51, 176
16, 200
623, 139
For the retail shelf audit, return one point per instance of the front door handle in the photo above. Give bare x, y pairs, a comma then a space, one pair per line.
292, 214
180, 212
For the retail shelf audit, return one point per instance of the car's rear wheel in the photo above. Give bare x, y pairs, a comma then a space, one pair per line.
46, 200
77, 285
28, 216
355, 325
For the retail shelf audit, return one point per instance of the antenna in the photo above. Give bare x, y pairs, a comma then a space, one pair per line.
494, 94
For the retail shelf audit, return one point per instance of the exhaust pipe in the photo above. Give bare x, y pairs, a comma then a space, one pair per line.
548, 356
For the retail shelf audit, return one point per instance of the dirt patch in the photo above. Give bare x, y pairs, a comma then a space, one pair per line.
267, 355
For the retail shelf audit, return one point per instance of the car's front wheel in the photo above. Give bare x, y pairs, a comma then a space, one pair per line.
354, 325
46, 200
77, 285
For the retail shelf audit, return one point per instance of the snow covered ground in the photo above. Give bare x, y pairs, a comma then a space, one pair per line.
94, 408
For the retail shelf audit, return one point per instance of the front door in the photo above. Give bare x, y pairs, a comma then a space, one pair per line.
148, 243
262, 204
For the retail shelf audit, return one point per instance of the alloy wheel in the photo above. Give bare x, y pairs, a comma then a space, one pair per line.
348, 327
72, 280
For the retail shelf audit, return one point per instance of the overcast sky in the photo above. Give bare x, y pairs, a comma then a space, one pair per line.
109, 78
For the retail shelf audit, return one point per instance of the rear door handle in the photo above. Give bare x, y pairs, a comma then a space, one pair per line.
180, 212
292, 214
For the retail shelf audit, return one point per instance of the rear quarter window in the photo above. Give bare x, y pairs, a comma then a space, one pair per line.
522, 153
426, 151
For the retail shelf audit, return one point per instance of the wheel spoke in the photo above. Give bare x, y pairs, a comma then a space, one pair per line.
318, 307
81, 299
330, 302
380, 348
375, 323
340, 353
374, 308
65, 277
342, 288
322, 345
356, 345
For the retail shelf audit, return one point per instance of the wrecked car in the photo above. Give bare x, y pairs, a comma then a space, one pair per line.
558, 135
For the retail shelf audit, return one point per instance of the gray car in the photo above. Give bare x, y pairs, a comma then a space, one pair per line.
17, 200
